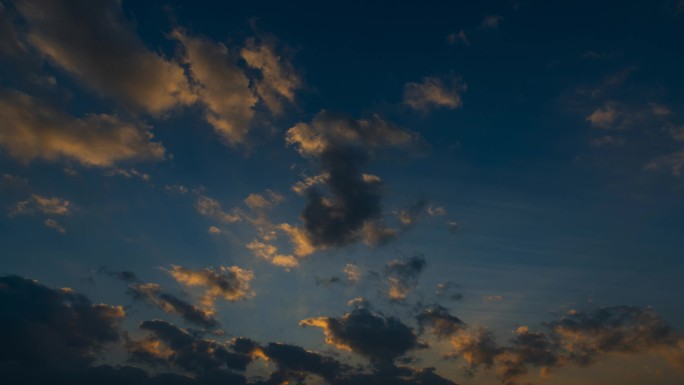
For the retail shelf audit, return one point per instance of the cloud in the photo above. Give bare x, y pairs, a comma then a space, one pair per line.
154, 295
432, 93
381, 339
40, 325
35, 130
258, 202
42, 205
91, 40
211, 208
229, 283
674, 161
169, 345
53, 224
223, 87
348, 206
450, 290
579, 338
403, 276
458, 38
491, 21
278, 81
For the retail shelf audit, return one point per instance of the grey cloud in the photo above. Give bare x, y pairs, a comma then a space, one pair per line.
381, 339
169, 345
40, 325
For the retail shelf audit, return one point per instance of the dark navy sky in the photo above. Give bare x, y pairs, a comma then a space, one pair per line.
497, 183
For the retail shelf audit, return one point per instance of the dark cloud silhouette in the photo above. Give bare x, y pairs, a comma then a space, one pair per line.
344, 204
381, 339
169, 345
40, 325
438, 319
153, 294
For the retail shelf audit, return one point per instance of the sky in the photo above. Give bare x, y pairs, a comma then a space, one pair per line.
280, 193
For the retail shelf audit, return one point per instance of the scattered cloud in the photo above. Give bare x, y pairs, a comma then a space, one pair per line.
459, 38
434, 93
380, 339
93, 41
167, 344
278, 81
53, 224
222, 86
228, 283
211, 208
402, 276
491, 21
35, 130
42, 205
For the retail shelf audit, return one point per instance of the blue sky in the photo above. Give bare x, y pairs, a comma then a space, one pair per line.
496, 185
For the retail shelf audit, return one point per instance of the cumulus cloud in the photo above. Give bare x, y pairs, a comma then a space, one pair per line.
278, 81
222, 86
92, 41
166, 344
228, 283
433, 93
41, 325
402, 276
579, 338
380, 339
348, 206
35, 130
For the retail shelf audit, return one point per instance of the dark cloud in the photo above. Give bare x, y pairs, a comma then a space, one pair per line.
579, 338
623, 329
381, 339
440, 321
40, 325
169, 345
403, 276
153, 294
348, 206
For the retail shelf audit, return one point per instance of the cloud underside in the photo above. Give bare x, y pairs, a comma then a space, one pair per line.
58, 334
